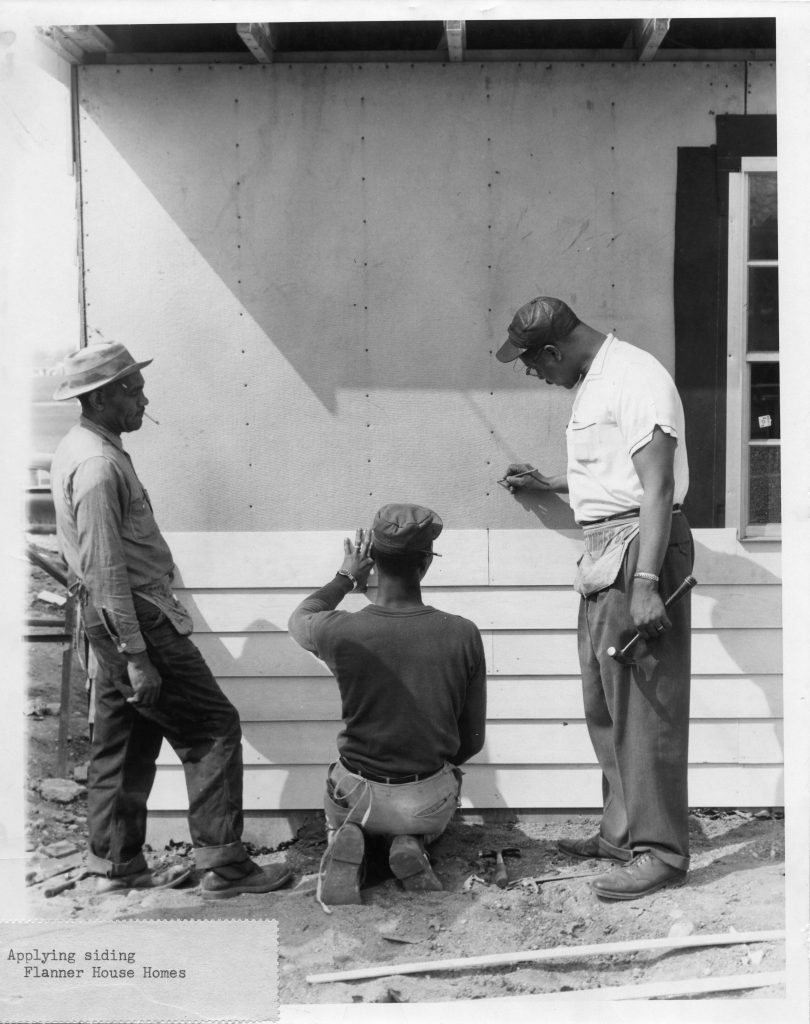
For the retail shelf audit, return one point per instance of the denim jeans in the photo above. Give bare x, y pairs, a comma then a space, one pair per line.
201, 725
638, 715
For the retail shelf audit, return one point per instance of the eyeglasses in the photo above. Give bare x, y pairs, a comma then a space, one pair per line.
531, 369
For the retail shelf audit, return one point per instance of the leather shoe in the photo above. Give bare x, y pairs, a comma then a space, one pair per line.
644, 874
410, 863
243, 877
168, 878
586, 849
342, 867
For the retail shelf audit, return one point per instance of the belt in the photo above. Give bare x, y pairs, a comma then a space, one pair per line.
630, 513
397, 780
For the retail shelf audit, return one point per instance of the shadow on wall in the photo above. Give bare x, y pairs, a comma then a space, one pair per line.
318, 234
548, 508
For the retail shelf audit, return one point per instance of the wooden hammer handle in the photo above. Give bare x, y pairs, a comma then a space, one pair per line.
683, 588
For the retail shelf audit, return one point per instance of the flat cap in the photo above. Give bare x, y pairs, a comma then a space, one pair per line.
398, 528
540, 322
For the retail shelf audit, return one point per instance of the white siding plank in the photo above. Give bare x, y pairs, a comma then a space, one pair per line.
729, 652
718, 607
513, 743
301, 788
316, 698
306, 559
532, 557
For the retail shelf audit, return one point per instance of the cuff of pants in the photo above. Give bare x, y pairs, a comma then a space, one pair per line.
217, 856
618, 852
102, 866
675, 860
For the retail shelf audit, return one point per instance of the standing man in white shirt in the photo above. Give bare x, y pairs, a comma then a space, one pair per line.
627, 476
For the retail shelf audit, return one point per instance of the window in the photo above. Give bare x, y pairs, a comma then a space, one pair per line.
753, 452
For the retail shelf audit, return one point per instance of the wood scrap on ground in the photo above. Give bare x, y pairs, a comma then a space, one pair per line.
555, 953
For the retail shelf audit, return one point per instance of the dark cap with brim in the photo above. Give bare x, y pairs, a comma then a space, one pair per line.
542, 321
399, 528
93, 367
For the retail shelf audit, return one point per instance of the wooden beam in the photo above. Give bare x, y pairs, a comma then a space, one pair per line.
557, 953
258, 38
76, 43
89, 38
55, 39
648, 35
455, 37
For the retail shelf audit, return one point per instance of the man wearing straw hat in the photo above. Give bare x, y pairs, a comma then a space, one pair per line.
152, 682
412, 683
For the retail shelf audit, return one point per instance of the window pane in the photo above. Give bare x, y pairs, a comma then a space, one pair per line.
764, 400
763, 485
763, 309
762, 230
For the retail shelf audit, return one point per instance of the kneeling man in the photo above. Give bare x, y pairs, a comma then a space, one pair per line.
412, 683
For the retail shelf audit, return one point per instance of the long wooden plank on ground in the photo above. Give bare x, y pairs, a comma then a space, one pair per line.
316, 698
301, 788
743, 606
515, 743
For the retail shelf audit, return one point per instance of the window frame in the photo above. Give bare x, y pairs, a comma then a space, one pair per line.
740, 360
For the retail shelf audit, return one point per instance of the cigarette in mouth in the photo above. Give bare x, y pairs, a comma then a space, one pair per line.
152, 418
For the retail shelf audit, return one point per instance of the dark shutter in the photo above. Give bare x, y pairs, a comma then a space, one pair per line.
700, 285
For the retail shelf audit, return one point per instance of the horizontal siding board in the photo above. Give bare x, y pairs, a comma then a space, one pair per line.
306, 559
727, 652
717, 607
731, 651
313, 698
513, 743
470, 558
529, 557
301, 788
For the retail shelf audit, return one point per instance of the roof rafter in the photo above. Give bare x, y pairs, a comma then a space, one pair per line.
258, 37
75, 43
455, 38
648, 34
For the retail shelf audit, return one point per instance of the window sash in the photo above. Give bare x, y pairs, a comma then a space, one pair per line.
739, 444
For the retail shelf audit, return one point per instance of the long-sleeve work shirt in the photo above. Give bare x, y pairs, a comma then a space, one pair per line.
107, 533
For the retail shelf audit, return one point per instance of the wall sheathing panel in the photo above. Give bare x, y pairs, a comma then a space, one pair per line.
322, 259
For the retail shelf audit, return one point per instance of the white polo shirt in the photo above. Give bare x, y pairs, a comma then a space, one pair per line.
624, 396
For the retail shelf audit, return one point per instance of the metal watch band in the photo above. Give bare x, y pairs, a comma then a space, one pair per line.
348, 575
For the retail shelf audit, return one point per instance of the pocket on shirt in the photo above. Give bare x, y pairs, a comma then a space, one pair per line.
141, 520
583, 441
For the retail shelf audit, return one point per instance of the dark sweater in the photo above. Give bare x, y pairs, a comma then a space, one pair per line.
412, 684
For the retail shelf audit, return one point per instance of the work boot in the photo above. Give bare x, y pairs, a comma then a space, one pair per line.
644, 874
167, 878
586, 849
243, 877
342, 866
410, 863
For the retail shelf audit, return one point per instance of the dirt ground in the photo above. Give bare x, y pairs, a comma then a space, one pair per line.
737, 883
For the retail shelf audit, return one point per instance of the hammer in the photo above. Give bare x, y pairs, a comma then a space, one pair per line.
676, 595
501, 876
